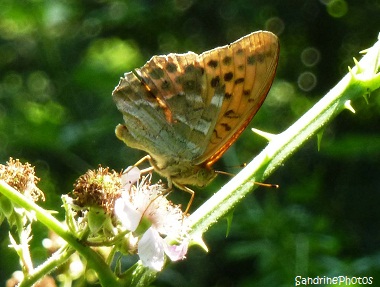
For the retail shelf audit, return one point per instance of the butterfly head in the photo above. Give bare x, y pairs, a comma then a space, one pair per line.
196, 175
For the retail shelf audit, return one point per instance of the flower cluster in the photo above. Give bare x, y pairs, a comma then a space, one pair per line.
22, 178
145, 210
98, 188
131, 213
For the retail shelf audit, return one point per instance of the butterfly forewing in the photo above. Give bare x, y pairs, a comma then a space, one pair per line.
245, 70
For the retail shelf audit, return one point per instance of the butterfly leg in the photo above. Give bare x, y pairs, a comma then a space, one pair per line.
150, 169
140, 161
192, 193
170, 182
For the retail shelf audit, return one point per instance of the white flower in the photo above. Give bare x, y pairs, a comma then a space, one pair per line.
144, 210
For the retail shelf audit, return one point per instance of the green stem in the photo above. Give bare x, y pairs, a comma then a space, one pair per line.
57, 259
361, 80
106, 277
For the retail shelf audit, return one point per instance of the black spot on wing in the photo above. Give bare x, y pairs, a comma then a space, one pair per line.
228, 76
156, 73
165, 85
231, 114
215, 82
191, 79
239, 81
227, 96
189, 69
261, 58
251, 60
171, 67
227, 60
212, 63
226, 126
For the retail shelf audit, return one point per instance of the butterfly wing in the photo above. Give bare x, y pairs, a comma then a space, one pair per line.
145, 123
164, 111
244, 70
186, 110
181, 85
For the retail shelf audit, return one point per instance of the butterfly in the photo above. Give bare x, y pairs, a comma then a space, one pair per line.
186, 110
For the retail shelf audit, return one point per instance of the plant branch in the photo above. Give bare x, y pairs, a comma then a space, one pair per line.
106, 276
57, 259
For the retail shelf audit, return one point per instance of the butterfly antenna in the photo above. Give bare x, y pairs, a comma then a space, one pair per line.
242, 165
270, 185
225, 173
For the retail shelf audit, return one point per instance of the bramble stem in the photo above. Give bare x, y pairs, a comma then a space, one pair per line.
57, 259
106, 276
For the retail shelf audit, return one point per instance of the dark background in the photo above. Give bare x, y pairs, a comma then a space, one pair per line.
60, 60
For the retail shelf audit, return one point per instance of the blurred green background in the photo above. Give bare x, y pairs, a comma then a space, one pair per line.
60, 60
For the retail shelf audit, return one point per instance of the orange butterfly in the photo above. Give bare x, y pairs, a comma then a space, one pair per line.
186, 110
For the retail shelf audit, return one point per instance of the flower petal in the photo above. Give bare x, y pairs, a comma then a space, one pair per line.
130, 177
176, 252
151, 250
127, 213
